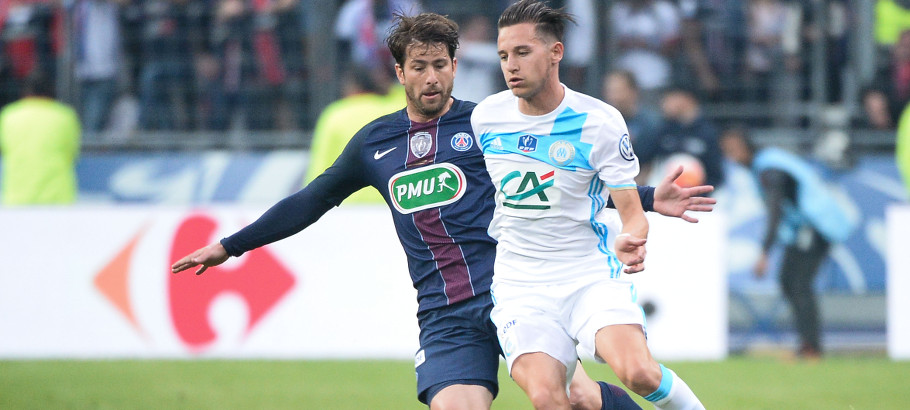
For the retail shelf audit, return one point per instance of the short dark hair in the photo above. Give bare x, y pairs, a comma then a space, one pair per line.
365, 79
628, 76
547, 20
740, 131
424, 28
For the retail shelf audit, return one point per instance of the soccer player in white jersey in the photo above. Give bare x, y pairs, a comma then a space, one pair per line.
555, 157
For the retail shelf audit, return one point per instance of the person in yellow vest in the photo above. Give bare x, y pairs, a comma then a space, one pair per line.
39, 145
366, 97
902, 149
891, 18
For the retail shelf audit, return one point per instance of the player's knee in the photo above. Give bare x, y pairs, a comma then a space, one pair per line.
583, 396
548, 398
641, 378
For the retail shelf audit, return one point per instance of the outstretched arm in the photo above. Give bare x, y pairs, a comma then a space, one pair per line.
673, 200
669, 199
288, 216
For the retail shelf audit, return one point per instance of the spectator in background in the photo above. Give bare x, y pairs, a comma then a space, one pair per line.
29, 30
478, 61
646, 33
834, 28
685, 130
98, 59
362, 26
39, 144
803, 216
271, 71
713, 36
892, 17
902, 147
766, 26
621, 91
828, 23
291, 34
249, 70
897, 75
169, 41
583, 37
878, 110
364, 99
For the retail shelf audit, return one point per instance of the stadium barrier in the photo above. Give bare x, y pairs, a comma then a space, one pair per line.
898, 282
94, 282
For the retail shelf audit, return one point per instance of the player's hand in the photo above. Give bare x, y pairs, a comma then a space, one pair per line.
631, 252
761, 266
212, 255
673, 200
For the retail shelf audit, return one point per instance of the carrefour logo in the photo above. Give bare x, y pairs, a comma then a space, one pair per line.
426, 187
526, 190
260, 280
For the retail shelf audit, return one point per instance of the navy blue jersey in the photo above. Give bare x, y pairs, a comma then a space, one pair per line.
433, 178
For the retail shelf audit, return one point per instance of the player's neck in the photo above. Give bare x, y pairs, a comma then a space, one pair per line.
545, 101
417, 116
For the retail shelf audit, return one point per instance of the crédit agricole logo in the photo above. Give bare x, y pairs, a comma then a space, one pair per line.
526, 190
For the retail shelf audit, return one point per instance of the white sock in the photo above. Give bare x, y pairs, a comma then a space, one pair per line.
673, 393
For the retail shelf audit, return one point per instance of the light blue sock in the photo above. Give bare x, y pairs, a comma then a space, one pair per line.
673, 393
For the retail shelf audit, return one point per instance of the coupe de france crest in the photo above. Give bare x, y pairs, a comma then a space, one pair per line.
421, 143
527, 143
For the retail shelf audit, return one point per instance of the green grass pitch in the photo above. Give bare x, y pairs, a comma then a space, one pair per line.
842, 382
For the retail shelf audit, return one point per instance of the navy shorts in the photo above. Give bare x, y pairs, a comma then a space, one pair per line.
458, 345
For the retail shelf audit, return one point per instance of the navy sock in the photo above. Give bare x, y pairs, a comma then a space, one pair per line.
615, 398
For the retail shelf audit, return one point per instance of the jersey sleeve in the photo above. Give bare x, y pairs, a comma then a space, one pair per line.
300, 210
612, 155
645, 194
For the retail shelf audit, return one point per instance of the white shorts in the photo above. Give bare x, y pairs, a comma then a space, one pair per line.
554, 319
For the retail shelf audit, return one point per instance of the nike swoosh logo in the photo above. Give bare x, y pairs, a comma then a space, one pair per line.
379, 155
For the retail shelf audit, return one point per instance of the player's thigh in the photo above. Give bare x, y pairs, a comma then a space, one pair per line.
457, 346
599, 304
528, 321
625, 349
462, 396
460, 360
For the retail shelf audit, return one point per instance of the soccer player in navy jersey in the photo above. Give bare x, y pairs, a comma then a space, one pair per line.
424, 162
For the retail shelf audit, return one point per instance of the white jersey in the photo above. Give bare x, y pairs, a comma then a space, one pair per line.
552, 174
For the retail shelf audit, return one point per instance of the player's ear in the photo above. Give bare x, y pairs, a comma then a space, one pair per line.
556, 51
399, 72
454, 66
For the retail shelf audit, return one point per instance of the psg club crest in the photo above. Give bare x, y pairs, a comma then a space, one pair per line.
462, 142
625, 148
421, 143
527, 143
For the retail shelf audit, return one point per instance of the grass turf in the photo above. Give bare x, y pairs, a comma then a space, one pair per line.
737, 383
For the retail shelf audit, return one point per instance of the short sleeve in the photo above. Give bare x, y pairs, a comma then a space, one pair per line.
612, 155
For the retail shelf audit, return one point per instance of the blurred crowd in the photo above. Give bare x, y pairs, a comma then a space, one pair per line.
225, 64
